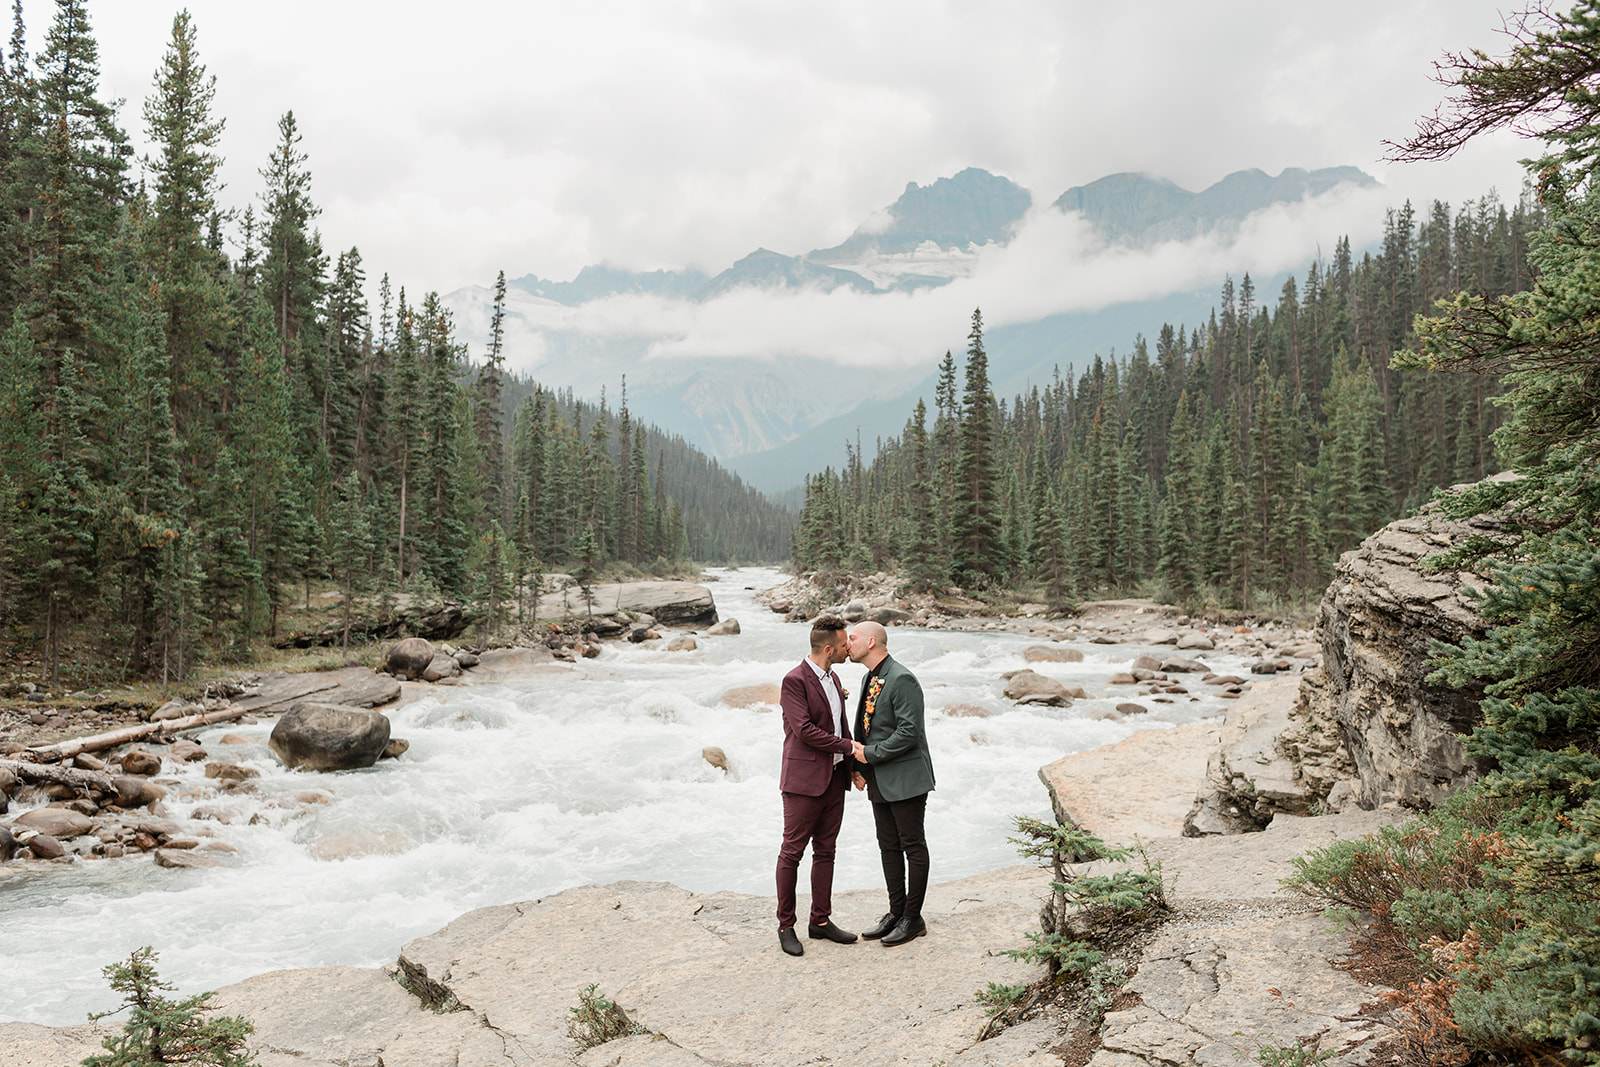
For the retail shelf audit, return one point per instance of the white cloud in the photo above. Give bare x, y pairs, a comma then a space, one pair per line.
452, 142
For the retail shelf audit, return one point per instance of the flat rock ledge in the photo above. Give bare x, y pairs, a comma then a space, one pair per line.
703, 973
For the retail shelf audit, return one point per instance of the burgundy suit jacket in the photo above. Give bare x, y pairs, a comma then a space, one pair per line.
810, 736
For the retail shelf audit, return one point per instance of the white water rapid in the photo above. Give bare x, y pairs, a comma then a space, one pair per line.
513, 792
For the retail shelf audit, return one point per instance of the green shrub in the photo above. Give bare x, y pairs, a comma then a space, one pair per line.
161, 1030
596, 1019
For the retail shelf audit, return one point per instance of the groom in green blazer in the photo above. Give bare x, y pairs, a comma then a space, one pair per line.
891, 745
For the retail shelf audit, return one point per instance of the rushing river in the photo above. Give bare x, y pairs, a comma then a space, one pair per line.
513, 792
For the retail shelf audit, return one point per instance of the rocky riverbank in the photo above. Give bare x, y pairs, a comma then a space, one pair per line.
1240, 966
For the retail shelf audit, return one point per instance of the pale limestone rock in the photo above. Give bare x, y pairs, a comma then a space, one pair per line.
1051, 654
1143, 785
746, 696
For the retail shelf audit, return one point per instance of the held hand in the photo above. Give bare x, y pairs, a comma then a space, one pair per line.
859, 779
859, 751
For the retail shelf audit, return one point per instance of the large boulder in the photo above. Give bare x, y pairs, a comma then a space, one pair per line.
57, 822
725, 628
329, 737
1034, 688
1378, 623
410, 657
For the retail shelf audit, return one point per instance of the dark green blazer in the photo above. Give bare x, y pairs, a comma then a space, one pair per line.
897, 745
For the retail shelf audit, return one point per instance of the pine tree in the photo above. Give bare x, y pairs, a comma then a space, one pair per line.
161, 1030
975, 520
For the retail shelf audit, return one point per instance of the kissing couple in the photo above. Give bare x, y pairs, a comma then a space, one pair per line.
884, 752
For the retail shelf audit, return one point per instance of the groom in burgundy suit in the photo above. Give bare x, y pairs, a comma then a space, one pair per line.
816, 774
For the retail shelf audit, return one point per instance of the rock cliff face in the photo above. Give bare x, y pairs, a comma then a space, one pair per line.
1366, 727
1378, 622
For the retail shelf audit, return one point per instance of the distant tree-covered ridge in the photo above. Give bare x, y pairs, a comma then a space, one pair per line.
1230, 465
189, 435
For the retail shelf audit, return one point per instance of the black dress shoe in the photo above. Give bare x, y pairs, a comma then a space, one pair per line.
905, 930
790, 942
885, 924
831, 932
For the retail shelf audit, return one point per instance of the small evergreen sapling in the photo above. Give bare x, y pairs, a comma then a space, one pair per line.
161, 1030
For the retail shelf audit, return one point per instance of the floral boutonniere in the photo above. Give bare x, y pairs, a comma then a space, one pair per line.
874, 687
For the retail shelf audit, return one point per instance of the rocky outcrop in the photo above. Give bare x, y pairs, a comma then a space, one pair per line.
1378, 622
1031, 687
350, 686
329, 737
609, 607
1250, 777
1365, 727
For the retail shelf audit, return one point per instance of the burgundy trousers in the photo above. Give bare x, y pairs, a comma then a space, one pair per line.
814, 820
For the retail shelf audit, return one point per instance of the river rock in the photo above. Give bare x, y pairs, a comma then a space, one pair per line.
781, 607
358, 843
8, 844
57, 822
682, 644
441, 667
187, 751
1122, 678
136, 792
410, 657
745, 696
1131, 708
8, 782
1196, 641
1035, 688
141, 762
175, 709
725, 628
1146, 663
329, 737
1263, 667
46, 847
466, 659
968, 711
888, 615
183, 858
1183, 666
82, 761
855, 610
715, 756
234, 771
236, 739
509, 664
396, 748
1051, 654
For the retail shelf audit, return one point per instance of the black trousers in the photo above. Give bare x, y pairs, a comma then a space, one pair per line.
903, 848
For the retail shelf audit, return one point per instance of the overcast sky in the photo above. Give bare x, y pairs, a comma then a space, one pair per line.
449, 141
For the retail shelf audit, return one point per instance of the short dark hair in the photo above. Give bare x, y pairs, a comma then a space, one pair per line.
823, 627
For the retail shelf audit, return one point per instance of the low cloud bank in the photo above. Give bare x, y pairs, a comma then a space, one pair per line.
1057, 263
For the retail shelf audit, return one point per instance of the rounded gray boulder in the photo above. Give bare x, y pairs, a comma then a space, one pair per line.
410, 657
329, 737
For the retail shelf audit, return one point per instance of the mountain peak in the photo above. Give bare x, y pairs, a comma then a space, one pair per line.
1142, 209
972, 207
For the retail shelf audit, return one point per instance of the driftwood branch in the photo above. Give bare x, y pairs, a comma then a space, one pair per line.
67, 749
80, 780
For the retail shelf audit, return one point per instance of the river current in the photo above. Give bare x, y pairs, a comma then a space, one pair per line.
511, 792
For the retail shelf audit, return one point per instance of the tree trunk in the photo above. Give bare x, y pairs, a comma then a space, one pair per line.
80, 780
67, 749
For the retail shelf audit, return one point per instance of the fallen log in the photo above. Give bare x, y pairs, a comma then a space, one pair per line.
67, 749
81, 780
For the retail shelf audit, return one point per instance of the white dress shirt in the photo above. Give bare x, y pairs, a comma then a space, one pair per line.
834, 701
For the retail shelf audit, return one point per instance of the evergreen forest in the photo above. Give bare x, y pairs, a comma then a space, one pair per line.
202, 416
1226, 466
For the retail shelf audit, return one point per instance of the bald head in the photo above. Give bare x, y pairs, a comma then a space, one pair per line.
869, 643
